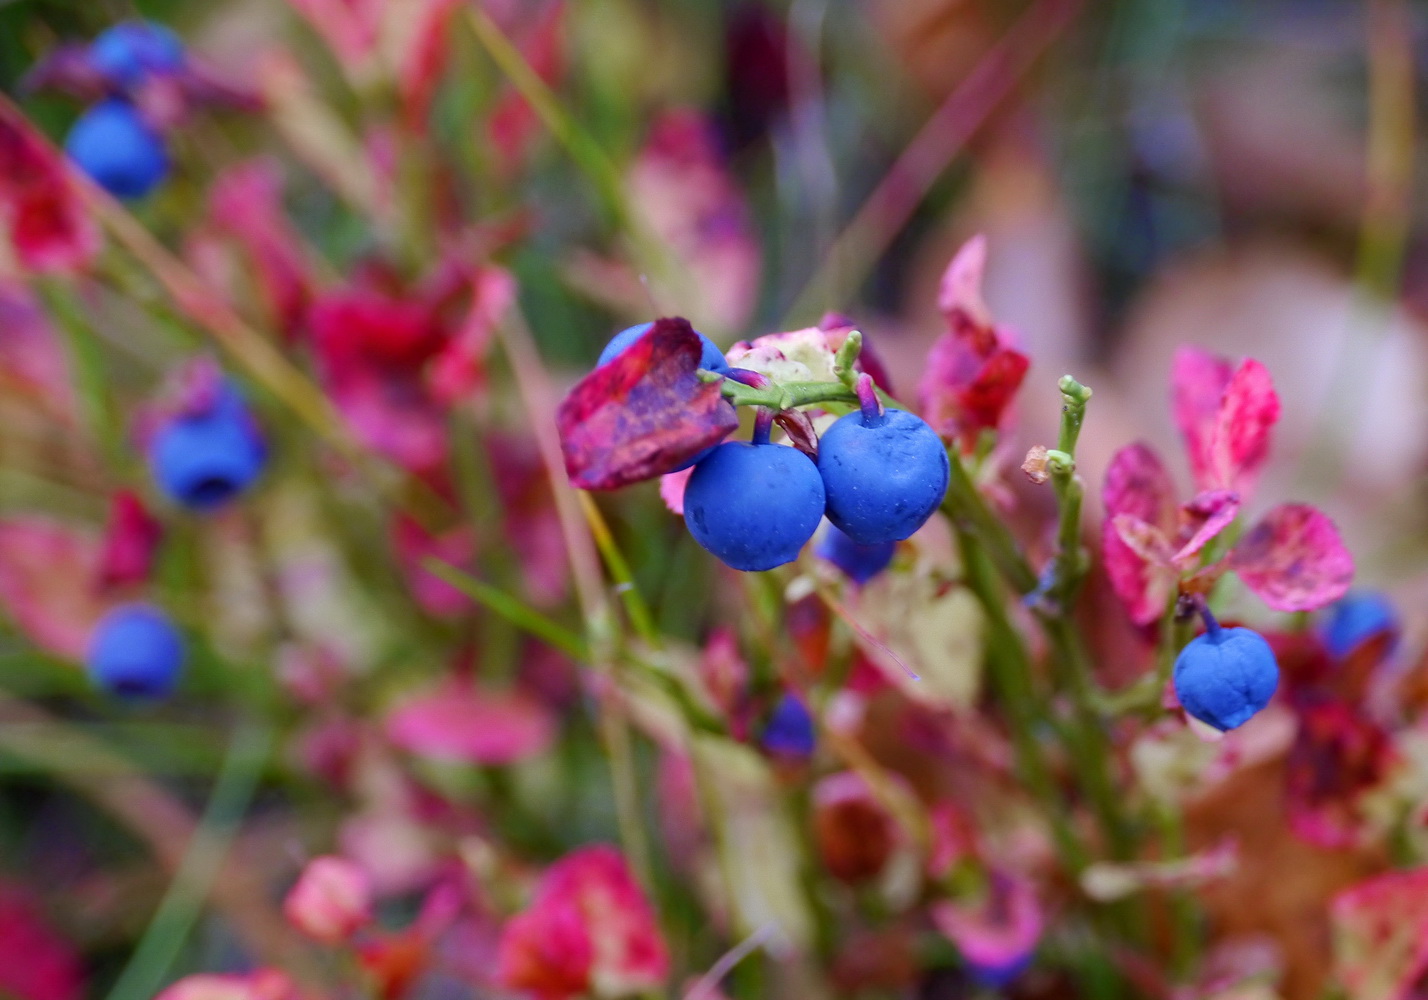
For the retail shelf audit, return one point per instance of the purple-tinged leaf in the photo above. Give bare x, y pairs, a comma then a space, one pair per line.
1294, 559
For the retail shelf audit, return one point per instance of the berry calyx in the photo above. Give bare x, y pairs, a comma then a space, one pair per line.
885, 472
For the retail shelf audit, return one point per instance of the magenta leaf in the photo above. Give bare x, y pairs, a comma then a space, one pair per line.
1205, 516
461, 722
1294, 560
1248, 412
643, 413
47, 224
1198, 380
1138, 489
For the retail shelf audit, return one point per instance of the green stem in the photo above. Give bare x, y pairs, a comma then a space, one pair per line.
787, 395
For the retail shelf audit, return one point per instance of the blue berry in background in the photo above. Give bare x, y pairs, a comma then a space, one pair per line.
1357, 618
203, 460
712, 359
790, 729
1225, 676
885, 474
135, 654
122, 154
754, 505
859, 563
128, 53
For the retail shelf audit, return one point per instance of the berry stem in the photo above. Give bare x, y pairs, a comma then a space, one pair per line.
1212, 624
868, 401
763, 425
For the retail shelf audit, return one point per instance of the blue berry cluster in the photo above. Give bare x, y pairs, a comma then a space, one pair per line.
111, 141
880, 474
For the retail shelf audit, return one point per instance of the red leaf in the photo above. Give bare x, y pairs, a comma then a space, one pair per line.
1137, 487
1294, 559
643, 413
972, 371
1381, 935
35, 962
130, 538
1338, 756
460, 722
39, 206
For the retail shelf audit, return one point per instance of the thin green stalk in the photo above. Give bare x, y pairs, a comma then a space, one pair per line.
1011, 675
183, 902
524, 617
640, 616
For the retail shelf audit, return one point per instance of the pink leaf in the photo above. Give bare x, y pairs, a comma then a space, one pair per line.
588, 930
131, 537
32, 357
414, 544
1381, 935
997, 934
960, 294
1137, 487
1198, 380
1204, 517
351, 28
969, 382
643, 413
260, 984
48, 573
461, 722
1294, 559
1248, 413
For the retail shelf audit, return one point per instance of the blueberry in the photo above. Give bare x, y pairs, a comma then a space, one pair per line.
754, 505
1357, 618
118, 150
1225, 676
859, 563
135, 654
790, 729
203, 460
885, 474
128, 53
711, 359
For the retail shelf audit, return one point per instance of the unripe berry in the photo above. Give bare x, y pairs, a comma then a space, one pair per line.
885, 473
119, 150
1225, 676
135, 654
754, 505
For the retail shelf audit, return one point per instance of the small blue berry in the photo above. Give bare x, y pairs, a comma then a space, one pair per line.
1357, 618
118, 149
1225, 676
128, 53
885, 474
135, 654
204, 460
859, 563
790, 729
711, 358
754, 505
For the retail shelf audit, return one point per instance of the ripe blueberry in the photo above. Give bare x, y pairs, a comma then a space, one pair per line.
711, 358
118, 149
135, 654
1225, 676
885, 473
128, 53
859, 563
754, 505
1357, 618
790, 729
203, 460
